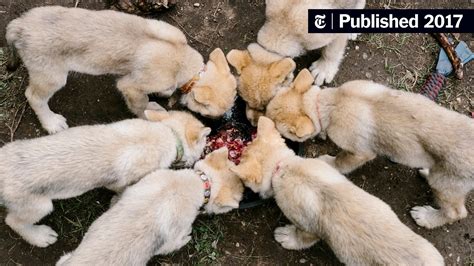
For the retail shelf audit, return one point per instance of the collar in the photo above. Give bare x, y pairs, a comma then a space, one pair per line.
206, 181
188, 86
318, 112
179, 149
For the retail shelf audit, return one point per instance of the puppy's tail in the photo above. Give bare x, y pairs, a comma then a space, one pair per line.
13, 35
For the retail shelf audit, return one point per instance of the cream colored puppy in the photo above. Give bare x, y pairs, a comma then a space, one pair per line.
285, 33
154, 216
150, 56
367, 119
267, 65
259, 80
322, 204
35, 172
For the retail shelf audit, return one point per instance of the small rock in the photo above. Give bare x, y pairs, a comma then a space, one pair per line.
303, 261
237, 244
368, 75
197, 4
386, 167
255, 233
365, 56
357, 47
227, 252
364, 177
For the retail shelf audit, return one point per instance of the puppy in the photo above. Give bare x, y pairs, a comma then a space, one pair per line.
366, 119
259, 79
267, 64
322, 204
68, 164
285, 33
150, 56
154, 216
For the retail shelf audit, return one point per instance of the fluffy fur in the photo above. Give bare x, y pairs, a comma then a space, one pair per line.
366, 119
150, 56
267, 65
322, 204
154, 216
68, 164
285, 33
259, 81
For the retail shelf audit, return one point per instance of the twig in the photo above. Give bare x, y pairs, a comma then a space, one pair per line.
77, 3
451, 52
190, 36
16, 122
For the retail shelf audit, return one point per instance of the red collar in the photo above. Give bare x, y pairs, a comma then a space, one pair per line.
188, 86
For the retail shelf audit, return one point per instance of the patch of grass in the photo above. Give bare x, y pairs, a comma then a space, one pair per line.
72, 217
207, 233
12, 99
407, 75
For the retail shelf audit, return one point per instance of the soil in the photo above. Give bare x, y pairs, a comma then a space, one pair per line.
241, 237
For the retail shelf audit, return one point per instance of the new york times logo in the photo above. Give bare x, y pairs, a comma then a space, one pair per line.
320, 21
387, 21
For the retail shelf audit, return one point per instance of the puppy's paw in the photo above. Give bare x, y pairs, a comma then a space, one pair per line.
286, 236
331, 160
323, 71
353, 36
424, 172
54, 123
41, 236
426, 216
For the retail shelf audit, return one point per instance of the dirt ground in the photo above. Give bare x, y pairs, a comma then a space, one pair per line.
241, 237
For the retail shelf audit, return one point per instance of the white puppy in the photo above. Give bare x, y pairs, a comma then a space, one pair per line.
150, 56
285, 34
323, 204
68, 164
154, 216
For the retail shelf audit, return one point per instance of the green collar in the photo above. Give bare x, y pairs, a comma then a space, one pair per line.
179, 149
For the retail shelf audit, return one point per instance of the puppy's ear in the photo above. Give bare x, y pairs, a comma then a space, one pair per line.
303, 81
202, 95
282, 68
205, 132
218, 58
304, 127
196, 135
156, 116
239, 59
265, 126
248, 171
